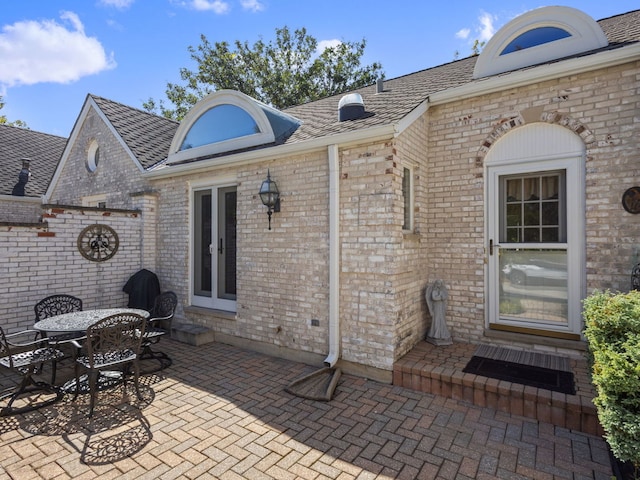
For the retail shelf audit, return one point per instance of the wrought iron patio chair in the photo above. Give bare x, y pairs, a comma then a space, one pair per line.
57, 305
111, 343
20, 353
158, 325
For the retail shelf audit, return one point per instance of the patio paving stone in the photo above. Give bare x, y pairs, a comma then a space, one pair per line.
222, 412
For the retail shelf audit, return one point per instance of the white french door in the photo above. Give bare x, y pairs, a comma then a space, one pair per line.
214, 248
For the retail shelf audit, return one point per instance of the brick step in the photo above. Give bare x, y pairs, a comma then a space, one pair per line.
438, 370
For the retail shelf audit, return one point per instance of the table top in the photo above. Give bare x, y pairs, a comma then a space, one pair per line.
80, 321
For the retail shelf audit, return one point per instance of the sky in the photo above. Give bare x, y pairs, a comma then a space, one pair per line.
54, 53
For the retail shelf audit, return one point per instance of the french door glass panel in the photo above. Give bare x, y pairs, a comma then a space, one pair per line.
214, 248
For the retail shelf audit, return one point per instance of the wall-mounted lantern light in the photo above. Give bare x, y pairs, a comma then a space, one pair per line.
270, 196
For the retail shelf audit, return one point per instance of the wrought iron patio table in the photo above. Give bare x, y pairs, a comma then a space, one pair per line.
79, 322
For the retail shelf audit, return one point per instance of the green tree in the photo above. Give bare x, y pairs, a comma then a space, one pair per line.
4, 121
476, 48
285, 72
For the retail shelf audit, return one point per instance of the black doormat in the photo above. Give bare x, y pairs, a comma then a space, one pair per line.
549, 379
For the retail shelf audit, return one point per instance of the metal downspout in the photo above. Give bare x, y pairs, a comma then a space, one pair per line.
334, 257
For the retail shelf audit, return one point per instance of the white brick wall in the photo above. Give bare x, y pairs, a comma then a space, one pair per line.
37, 261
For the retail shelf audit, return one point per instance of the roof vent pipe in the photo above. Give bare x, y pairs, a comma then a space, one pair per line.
350, 107
379, 85
23, 178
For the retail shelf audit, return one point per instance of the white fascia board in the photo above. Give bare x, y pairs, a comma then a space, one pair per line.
254, 156
88, 105
413, 115
538, 74
67, 150
115, 133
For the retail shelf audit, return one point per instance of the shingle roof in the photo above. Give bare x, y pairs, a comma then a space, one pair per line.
147, 135
43, 150
403, 94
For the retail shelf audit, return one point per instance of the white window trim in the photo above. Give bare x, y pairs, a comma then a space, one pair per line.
94, 200
585, 32
412, 199
222, 97
93, 156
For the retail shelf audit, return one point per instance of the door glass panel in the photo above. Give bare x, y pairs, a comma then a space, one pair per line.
532, 209
227, 202
202, 265
533, 280
533, 284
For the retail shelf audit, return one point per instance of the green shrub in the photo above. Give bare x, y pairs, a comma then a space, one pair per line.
612, 330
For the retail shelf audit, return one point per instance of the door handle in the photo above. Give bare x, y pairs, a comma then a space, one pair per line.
220, 248
491, 245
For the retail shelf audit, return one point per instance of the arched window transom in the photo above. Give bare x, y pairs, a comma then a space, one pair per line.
220, 123
535, 37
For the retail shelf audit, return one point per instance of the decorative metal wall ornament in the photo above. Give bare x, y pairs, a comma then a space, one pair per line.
635, 277
631, 200
98, 242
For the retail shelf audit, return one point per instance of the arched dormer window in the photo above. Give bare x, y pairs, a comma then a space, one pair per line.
539, 36
227, 121
220, 123
534, 37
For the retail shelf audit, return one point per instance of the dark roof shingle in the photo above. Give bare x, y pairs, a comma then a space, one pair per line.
147, 135
43, 151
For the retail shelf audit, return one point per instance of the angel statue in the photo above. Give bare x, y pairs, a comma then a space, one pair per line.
436, 297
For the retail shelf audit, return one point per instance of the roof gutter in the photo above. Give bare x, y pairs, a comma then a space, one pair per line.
253, 156
538, 74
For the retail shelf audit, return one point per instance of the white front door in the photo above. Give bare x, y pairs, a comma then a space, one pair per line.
535, 239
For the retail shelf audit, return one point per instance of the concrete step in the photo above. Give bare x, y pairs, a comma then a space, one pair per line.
192, 334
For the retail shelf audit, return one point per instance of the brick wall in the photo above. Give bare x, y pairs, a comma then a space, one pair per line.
20, 209
117, 175
41, 260
602, 108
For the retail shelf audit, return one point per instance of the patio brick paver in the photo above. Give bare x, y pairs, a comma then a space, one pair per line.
222, 412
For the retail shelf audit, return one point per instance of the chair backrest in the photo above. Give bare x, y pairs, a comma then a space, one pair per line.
5, 349
115, 334
56, 305
164, 306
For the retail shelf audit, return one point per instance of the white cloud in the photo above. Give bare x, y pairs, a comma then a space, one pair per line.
463, 33
486, 29
47, 51
121, 4
252, 5
324, 44
216, 6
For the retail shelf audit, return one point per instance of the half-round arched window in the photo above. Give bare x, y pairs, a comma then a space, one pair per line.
534, 37
222, 122
227, 121
537, 37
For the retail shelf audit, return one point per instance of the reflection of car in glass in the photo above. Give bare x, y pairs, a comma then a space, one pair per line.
536, 273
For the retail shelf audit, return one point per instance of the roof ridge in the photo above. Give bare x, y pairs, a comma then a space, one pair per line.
618, 15
27, 129
129, 107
